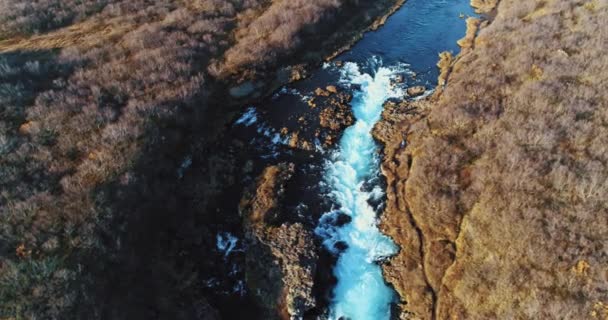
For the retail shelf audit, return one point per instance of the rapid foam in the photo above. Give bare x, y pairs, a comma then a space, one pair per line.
361, 292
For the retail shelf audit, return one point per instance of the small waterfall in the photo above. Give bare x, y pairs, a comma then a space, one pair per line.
361, 292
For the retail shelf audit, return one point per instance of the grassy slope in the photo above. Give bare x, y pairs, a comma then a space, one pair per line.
505, 177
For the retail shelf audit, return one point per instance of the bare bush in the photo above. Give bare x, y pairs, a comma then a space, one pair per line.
276, 31
73, 122
27, 17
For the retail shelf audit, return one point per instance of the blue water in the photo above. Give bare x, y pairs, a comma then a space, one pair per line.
415, 34
361, 292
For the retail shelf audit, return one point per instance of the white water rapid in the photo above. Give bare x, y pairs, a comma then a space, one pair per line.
361, 292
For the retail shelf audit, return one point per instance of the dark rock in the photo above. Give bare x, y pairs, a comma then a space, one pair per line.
243, 90
341, 246
343, 219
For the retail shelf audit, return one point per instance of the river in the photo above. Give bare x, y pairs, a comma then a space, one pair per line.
339, 185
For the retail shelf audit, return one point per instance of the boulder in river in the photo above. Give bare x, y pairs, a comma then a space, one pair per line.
293, 141
311, 102
416, 91
297, 73
337, 115
331, 89
321, 93
335, 118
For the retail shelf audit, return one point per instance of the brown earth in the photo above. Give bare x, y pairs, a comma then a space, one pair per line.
495, 186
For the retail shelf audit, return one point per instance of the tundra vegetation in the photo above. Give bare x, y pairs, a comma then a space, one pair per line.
505, 178
96, 97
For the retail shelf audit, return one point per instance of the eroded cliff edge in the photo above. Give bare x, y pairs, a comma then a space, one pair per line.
496, 184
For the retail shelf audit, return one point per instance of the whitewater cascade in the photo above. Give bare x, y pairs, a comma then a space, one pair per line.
361, 292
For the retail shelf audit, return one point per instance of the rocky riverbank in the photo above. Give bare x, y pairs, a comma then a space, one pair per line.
493, 184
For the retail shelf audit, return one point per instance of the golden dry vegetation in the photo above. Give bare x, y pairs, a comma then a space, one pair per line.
506, 177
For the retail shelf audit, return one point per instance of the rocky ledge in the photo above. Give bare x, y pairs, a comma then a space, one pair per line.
281, 259
336, 114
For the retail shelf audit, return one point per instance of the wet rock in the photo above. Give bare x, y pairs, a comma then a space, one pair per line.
416, 91
305, 145
243, 90
322, 93
331, 89
282, 257
341, 246
298, 73
341, 98
295, 138
295, 141
343, 219
311, 102
338, 63
355, 87
335, 118
338, 114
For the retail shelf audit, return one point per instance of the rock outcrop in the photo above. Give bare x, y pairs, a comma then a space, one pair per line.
337, 113
416, 91
282, 257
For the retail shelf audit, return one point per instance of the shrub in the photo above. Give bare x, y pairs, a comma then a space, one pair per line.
19, 17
